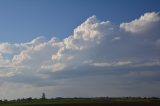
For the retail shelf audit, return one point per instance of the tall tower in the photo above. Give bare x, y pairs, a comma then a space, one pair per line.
43, 96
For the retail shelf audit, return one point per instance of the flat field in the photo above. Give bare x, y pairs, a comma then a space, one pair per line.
84, 102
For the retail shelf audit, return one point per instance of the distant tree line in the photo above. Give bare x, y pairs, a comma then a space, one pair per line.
79, 98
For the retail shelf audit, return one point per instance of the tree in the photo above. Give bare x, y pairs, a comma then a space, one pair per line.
43, 96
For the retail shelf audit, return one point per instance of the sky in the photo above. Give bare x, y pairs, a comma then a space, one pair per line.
79, 48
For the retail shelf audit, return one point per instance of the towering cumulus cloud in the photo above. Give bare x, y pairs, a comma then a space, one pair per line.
97, 49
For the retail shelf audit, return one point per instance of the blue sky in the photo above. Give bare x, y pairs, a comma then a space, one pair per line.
23, 20
79, 48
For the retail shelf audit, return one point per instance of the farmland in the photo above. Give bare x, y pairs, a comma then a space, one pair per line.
84, 102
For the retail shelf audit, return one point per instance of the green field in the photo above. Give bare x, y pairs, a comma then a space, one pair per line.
85, 102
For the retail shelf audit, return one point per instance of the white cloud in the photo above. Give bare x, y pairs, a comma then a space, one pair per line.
102, 64
91, 29
142, 24
126, 63
111, 64
18, 59
7, 47
103, 43
54, 67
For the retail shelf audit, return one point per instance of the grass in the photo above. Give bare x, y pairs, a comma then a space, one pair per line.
85, 102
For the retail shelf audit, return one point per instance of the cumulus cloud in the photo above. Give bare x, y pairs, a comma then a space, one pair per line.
94, 45
144, 23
